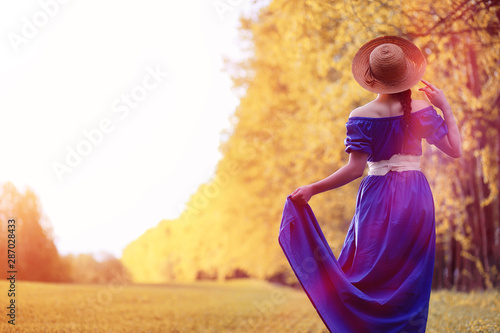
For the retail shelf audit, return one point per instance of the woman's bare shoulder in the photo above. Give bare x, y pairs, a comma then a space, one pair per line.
362, 111
355, 113
418, 104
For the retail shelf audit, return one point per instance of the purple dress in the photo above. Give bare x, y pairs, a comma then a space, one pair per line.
382, 279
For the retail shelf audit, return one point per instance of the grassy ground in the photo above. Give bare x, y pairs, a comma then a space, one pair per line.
235, 306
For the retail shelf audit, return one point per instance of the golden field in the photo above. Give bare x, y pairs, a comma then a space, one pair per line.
244, 305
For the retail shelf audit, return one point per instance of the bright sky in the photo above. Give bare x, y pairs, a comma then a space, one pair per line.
111, 110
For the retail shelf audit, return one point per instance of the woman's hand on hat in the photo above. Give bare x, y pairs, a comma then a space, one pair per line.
302, 194
435, 96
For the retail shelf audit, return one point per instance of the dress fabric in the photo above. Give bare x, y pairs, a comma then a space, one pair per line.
381, 281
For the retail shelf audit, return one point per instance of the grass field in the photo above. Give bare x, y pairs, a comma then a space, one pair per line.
235, 306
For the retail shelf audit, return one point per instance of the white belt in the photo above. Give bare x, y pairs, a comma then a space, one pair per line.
398, 162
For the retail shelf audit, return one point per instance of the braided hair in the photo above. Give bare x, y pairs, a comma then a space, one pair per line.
405, 100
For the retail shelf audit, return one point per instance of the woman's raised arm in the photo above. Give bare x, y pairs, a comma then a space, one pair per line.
451, 143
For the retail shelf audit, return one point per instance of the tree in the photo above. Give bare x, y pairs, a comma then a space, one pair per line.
36, 256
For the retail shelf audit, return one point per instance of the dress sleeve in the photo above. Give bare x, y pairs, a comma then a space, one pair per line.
358, 137
433, 126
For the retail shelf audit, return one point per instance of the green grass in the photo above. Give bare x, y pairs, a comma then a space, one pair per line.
234, 306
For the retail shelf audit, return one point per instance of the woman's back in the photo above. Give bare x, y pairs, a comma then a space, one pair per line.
384, 107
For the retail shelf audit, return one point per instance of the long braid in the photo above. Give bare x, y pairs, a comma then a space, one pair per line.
405, 99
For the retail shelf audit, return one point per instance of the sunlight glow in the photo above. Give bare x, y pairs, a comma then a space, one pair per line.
64, 90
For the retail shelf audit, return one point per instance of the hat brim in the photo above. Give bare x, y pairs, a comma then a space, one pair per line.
415, 68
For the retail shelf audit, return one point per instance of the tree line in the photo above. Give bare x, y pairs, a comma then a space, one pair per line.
36, 255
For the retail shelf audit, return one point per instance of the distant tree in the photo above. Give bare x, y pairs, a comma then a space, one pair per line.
37, 258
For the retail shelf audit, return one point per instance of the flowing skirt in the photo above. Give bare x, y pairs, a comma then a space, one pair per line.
382, 279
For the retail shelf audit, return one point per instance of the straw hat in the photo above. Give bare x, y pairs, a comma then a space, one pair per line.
388, 64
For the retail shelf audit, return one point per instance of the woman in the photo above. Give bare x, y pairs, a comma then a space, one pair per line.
381, 281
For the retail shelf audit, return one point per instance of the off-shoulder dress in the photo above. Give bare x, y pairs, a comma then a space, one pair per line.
381, 281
